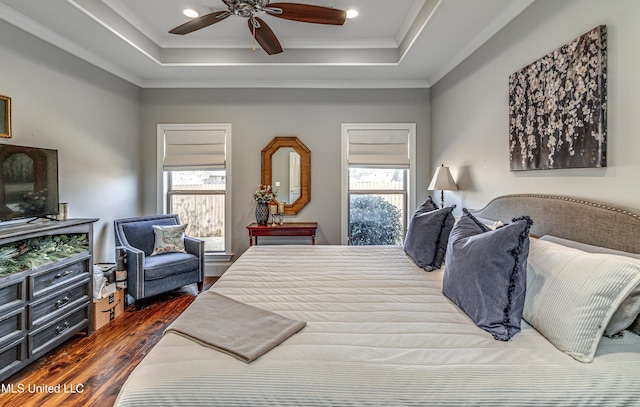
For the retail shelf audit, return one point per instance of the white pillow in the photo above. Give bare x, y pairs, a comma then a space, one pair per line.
572, 295
589, 248
629, 309
491, 224
626, 313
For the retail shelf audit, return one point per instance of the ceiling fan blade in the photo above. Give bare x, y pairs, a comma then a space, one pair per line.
307, 13
200, 22
265, 37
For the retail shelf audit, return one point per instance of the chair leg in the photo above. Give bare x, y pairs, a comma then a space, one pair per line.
139, 304
200, 285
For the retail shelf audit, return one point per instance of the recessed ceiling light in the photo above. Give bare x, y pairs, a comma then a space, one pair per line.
190, 13
352, 13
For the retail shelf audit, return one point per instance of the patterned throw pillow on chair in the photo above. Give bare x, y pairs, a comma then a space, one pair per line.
169, 239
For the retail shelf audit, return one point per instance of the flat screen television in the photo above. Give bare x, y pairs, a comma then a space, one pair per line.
28, 182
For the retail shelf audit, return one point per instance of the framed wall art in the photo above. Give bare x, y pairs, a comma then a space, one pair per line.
5, 116
558, 107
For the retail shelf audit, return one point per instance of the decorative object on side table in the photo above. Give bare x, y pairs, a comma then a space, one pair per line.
442, 181
263, 195
281, 211
274, 210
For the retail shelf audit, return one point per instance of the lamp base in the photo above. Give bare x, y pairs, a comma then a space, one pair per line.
441, 199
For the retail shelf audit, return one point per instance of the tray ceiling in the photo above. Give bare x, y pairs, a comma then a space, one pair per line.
391, 44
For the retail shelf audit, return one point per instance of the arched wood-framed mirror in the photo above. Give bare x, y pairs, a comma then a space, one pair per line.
286, 165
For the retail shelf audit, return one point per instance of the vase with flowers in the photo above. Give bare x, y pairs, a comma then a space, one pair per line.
263, 195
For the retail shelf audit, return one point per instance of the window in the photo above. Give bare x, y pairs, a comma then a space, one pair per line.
378, 182
198, 197
195, 172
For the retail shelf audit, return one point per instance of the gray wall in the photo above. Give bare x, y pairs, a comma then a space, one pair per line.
257, 115
91, 117
470, 107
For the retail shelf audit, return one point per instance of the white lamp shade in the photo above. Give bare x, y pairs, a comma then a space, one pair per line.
442, 180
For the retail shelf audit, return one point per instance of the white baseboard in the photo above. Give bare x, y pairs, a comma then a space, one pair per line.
216, 267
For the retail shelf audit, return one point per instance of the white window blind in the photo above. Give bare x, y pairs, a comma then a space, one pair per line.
378, 148
194, 150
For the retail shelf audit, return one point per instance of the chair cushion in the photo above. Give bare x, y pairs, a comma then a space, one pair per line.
169, 264
140, 234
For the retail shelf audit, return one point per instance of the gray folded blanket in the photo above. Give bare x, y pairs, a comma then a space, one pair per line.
240, 330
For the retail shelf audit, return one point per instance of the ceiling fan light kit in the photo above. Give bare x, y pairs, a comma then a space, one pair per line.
191, 13
262, 33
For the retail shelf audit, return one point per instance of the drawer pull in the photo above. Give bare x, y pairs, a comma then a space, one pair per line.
61, 303
66, 273
61, 329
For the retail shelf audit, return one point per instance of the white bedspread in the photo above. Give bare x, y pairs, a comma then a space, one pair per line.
379, 333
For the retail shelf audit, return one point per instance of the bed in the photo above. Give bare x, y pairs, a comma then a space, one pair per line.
380, 332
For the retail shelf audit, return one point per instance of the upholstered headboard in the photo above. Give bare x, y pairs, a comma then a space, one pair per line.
586, 221
591, 222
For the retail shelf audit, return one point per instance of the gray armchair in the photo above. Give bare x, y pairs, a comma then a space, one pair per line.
150, 275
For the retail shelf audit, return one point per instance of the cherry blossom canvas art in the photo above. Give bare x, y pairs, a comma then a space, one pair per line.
558, 107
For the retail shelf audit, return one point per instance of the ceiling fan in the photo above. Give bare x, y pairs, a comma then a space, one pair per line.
263, 34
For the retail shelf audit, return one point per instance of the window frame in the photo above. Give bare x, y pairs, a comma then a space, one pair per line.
163, 180
409, 179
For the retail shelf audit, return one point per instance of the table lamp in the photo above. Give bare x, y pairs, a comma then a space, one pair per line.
442, 181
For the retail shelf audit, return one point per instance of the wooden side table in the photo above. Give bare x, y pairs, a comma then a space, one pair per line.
287, 229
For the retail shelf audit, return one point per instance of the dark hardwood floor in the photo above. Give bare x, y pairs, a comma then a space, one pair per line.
89, 370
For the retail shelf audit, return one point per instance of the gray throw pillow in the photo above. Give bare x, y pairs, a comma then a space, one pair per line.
427, 236
427, 206
443, 239
485, 274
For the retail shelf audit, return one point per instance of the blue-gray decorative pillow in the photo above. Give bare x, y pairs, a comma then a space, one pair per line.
443, 240
427, 206
485, 274
427, 237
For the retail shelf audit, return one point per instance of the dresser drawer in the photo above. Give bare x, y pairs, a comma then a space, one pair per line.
42, 281
12, 325
41, 340
53, 306
12, 295
12, 356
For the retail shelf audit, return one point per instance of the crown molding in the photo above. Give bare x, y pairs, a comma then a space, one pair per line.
26, 24
301, 84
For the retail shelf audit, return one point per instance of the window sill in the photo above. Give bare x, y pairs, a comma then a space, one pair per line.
218, 257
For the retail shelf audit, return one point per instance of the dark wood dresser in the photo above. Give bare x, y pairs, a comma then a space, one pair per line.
43, 306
